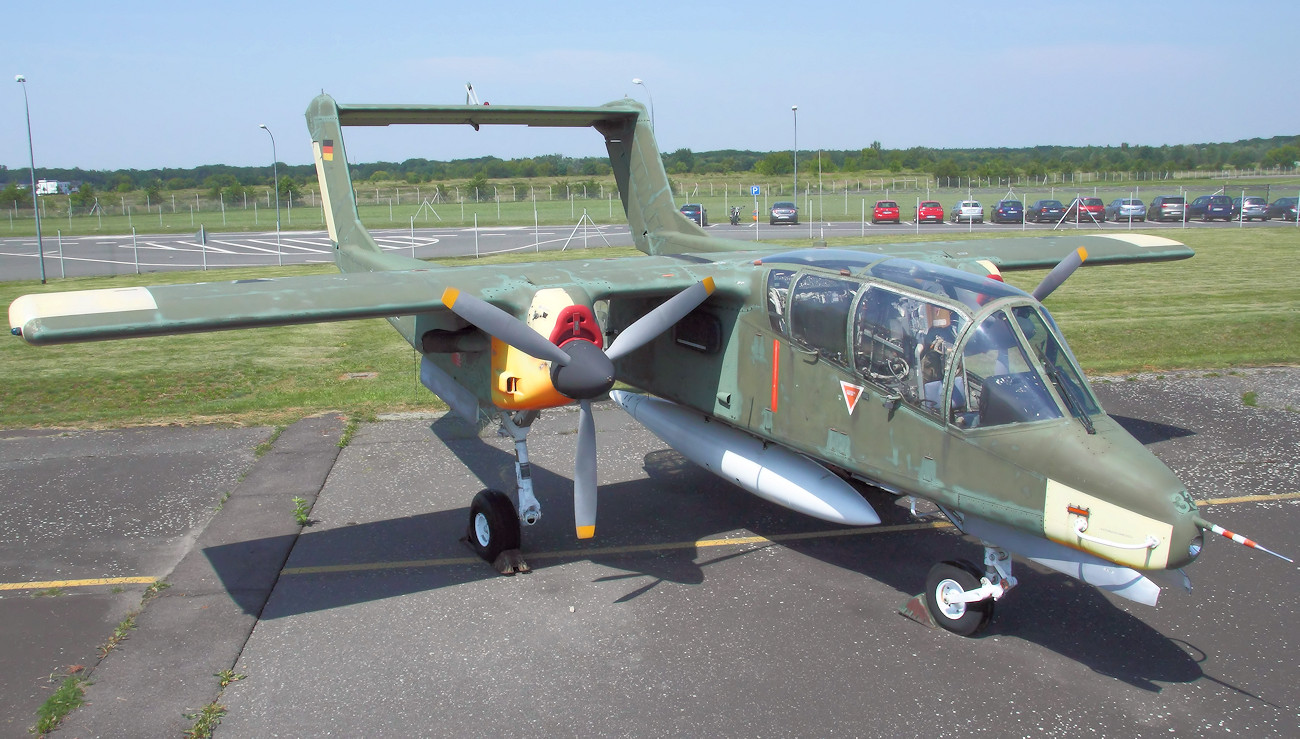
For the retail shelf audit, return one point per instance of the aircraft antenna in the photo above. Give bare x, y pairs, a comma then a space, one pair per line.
471, 97
1237, 538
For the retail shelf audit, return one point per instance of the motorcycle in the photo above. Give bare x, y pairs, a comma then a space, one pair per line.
735, 216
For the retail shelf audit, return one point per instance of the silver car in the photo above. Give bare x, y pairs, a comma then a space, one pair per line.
968, 210
1126, 209
1252, 207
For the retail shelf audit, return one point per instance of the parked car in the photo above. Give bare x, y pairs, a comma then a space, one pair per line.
1167, 208
1284, 208
1126, 209
1249, 208
1086, 210
968, 210
929, 211
1008, 211
783, 212
886, 210
697, 213
1045, 210
1209, 207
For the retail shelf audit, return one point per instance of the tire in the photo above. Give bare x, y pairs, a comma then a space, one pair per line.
951, 577
493, 524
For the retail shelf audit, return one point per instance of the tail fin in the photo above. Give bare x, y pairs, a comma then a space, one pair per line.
657, 227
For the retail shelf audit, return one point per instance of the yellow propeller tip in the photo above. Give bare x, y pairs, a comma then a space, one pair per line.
449, 296
708, 284
1083, 254
586, 532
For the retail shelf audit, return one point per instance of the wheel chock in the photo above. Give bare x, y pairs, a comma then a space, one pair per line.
510, 562
916, 610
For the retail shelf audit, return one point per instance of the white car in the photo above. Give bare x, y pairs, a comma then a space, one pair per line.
968, 210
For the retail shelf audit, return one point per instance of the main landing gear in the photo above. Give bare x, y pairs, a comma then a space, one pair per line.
493, 532
959, 595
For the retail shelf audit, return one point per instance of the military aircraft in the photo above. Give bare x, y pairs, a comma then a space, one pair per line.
797, 374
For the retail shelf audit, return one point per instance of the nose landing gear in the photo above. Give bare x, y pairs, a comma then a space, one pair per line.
959, 596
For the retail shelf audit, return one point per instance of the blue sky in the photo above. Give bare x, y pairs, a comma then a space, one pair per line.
144, 85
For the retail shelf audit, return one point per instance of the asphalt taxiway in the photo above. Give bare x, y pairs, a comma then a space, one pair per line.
698, 609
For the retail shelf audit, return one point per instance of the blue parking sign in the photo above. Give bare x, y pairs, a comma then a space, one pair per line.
753, 190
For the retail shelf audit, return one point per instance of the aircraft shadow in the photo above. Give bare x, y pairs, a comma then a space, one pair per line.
1151, 432
678, 503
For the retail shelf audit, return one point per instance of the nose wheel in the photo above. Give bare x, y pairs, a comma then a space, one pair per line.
493, 525
945, 597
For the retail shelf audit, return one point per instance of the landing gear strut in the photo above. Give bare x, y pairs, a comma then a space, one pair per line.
494, 521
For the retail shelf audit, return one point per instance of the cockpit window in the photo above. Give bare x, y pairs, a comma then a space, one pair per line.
905, 343
1058, 364
778, 298
819, 314
972, 290
998, 382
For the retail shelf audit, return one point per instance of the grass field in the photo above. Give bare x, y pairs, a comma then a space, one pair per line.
1235, 304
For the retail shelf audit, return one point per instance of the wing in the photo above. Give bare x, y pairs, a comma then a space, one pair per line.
1045, 252
117, 313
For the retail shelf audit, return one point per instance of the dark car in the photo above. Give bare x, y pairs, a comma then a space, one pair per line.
1284, 208
1086, 210
1008, 211
1249, 208
1045, 210
783, 212
1166, 208
696, 213
1209, 207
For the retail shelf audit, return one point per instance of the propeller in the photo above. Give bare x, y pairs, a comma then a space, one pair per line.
580, 370
1060, 273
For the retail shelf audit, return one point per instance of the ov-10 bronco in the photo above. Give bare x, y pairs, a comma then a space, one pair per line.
798, 375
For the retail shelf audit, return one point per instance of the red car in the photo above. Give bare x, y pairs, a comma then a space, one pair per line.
886, 210
929, 212
1086, 210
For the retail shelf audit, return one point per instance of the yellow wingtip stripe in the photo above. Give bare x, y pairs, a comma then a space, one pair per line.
586, 532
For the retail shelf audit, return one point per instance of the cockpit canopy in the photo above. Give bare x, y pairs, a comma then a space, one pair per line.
961, 347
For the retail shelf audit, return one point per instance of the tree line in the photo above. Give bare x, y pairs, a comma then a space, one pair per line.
232, 182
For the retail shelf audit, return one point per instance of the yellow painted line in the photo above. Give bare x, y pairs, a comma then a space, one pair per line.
735, 541
77, 583
1248, 499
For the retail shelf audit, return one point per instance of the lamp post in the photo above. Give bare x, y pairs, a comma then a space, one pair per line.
794, 110
637, 81
31, 153
275, 173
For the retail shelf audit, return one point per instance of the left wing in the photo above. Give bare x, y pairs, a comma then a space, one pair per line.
117, 313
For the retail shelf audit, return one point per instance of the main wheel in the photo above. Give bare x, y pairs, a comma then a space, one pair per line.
493, 524
945, 583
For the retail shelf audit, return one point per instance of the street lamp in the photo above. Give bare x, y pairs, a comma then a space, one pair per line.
36, 208
275, 172
794, 110
637, 81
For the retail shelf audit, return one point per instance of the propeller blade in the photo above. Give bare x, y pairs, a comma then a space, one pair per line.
647, 327
584, 474
1060, 273
502, 325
